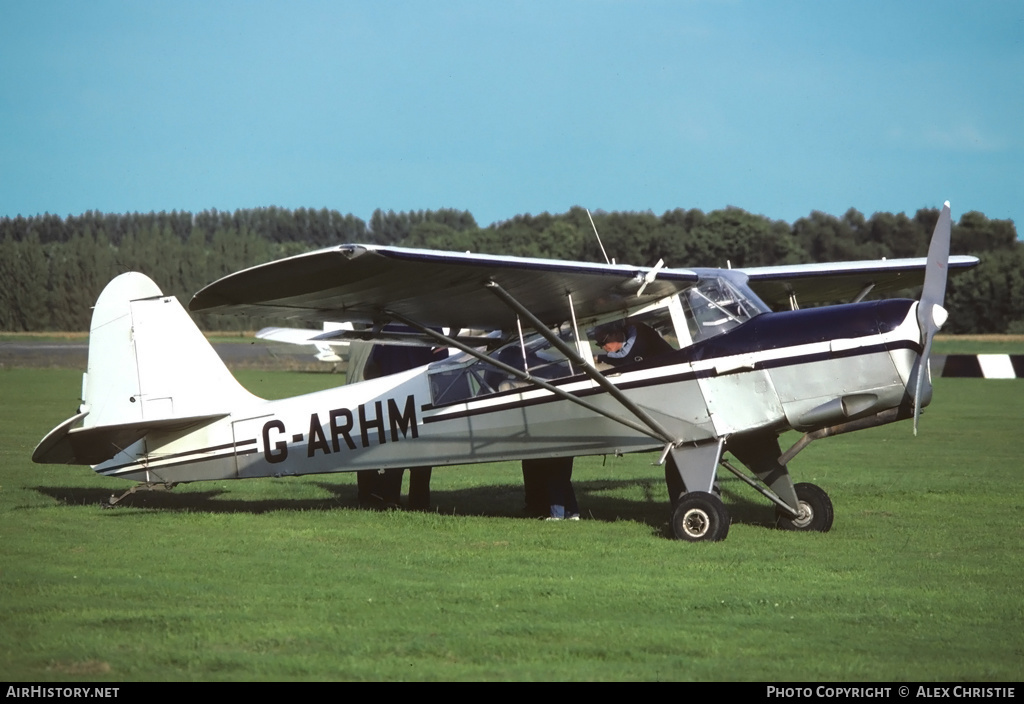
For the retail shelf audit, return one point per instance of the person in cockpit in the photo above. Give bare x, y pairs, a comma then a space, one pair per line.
629, 342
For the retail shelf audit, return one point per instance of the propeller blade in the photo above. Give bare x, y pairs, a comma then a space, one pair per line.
930, 313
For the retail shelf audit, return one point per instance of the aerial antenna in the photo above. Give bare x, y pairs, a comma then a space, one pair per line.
599, 243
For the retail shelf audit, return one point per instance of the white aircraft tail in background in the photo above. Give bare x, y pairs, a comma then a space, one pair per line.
325, 351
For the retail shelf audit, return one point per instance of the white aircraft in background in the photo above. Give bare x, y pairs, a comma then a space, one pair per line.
325, 351
159, 407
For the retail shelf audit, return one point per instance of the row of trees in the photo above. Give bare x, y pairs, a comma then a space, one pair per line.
53, 268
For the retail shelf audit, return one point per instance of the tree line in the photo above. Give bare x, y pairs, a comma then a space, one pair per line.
52, 269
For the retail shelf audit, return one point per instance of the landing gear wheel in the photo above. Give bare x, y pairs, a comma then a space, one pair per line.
815, 510
700, 516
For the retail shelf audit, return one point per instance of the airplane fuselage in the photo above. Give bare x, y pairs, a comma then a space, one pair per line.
801, 369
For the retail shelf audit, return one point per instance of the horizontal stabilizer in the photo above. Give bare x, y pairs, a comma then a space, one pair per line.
67, 444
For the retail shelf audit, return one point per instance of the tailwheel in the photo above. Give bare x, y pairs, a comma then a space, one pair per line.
816, 511
700, 516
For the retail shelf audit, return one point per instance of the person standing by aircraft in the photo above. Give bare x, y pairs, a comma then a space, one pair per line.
547, 482
367, 479
385, 487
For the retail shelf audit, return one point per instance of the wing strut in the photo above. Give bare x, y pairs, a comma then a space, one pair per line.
601, 380
520, 374
863, 292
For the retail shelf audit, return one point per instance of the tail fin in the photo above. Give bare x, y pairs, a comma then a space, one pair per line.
149, 367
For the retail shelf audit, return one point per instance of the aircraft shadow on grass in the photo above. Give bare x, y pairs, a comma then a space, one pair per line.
497, 501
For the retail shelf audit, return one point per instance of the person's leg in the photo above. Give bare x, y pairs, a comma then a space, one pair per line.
535, 486
419, 488
390, 488
560, 486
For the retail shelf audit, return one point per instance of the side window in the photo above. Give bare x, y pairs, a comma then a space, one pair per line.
465, 377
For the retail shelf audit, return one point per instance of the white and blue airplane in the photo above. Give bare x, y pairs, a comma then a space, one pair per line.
160, 408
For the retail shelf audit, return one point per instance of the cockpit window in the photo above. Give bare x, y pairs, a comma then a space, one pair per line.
712, 306
715, 305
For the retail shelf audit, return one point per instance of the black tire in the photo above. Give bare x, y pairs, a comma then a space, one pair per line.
816, 507
700, 516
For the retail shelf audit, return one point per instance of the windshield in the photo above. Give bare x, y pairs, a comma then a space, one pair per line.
715, 305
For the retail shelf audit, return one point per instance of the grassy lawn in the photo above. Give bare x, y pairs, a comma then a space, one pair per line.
273, 579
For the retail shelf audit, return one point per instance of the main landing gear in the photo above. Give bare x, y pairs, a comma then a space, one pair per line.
698, 514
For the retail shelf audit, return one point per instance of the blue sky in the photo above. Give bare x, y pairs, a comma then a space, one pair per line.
503, 108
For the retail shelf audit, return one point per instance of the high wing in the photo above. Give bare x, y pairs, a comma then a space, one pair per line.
841, 281
366, 283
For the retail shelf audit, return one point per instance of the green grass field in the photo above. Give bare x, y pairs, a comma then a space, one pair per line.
979, 344
274, 579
